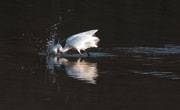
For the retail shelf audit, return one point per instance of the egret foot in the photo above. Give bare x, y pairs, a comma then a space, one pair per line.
87, 53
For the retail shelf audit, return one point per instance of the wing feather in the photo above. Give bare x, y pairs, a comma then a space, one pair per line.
83, 34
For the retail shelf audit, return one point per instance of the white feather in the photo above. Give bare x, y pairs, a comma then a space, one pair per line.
80, 41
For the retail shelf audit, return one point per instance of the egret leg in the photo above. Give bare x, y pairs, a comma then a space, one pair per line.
79, 53
87, 53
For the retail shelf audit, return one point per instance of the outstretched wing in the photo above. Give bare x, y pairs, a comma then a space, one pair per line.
86, 33
90, 32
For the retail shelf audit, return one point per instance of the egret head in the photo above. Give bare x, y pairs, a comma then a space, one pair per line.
57, 48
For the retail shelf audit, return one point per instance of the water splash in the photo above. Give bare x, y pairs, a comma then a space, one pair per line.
53, 38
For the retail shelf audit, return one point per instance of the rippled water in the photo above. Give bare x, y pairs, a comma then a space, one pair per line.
155, 61
110, 78
166, 50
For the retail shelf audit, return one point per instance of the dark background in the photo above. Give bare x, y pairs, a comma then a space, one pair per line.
118, 21
136, 78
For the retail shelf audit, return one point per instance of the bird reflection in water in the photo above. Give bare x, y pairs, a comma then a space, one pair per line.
78, 69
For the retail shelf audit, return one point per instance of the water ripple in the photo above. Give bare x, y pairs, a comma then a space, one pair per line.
167, 49
92, 54
163, 74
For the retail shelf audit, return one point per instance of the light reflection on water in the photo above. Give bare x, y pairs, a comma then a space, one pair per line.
156, 61
79, 69
162, 74
167, 49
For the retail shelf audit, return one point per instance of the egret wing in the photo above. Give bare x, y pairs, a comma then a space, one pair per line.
90, 32
86, 33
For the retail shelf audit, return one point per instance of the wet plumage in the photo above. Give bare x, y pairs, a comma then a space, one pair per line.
80, 41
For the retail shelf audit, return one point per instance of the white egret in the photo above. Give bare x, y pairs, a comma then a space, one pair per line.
80, 41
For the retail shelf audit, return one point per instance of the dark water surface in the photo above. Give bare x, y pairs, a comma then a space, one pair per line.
135, 67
